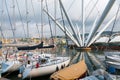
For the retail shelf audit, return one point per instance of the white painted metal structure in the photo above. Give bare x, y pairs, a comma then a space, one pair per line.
98, 24
102, 39
83, 23
79, 39
98, 35
115, 39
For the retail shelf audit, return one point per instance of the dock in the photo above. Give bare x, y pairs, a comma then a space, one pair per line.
4, 78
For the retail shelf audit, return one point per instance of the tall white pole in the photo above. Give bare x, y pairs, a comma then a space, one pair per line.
14, 28
83, 23
92, 29
62, 28
69, 21
1, 24
26, 3
103, 29
104, 14
79, 34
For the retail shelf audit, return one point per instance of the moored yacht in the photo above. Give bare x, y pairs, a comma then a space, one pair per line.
43, 64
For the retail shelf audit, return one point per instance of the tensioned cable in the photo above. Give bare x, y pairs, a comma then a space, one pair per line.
55, 7
63, 22
35, 17
1, 31
26, 6
1, 22
114, 21
86, 7
21, 18
73, 3
9, 19
49, 21
92, 10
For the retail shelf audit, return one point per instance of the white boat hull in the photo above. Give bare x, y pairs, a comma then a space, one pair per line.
46, 69
15, 67
10, 66
113, 58
113, 64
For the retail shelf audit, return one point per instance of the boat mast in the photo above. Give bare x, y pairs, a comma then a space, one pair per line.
83, 23
14, 18
104, 14
11, 25
55, 7
27, 18
2, 21
21, 19
41, 20
35, 20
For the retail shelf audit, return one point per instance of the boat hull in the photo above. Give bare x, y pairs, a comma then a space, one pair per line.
83, 48
113, 64
113, 58
41, 71
11, 66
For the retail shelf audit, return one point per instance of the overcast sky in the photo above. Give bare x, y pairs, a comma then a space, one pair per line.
11, 16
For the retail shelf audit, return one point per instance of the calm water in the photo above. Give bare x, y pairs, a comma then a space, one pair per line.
58, 51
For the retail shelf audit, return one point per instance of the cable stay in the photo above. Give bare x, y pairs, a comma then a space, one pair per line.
40, 45
27, 13
49, 22
2, 23
99, 33
92, 11
10, 20
21, 18
104, 14
69, 21
35, 17
114, 23
69, 34
63, 23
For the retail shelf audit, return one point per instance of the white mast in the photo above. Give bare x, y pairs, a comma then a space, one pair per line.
62, 28
98, 35
1, 24
69, 21
83, 23
92, 29
14, 28
104, 14
27, 18
79, 34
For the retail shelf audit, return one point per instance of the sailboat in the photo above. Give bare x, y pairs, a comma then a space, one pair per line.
10, 66
42, 63
30, 47
39, 46
10, 63
46, 64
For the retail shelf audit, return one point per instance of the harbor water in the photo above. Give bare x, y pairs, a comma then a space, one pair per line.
61, 51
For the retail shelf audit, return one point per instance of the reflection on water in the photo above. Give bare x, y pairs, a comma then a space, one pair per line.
61, 51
